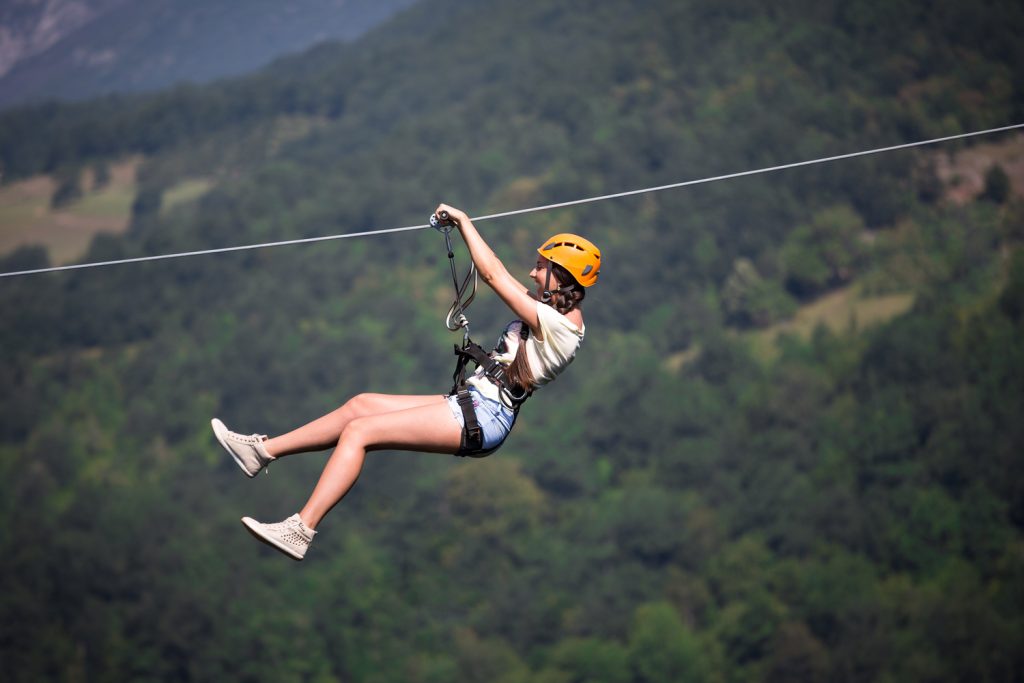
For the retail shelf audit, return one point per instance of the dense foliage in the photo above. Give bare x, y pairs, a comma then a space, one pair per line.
673, 508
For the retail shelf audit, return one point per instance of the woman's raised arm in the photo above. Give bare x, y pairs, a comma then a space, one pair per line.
493, 271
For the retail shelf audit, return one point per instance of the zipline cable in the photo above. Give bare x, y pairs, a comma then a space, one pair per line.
517, 212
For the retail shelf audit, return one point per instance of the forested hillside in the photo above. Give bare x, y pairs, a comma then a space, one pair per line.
679, 506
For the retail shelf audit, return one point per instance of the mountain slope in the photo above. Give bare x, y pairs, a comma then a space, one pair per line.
28, 27
114, 46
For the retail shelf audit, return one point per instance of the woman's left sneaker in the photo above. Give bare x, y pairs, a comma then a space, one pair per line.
248, 451
292, 537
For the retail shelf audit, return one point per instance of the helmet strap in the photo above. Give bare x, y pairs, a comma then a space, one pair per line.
546, 295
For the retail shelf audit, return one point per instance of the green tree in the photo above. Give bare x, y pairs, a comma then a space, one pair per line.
147, 203
1011, 300
663, 650
100, 174
750, 300
796, 656
69, 187
997, 185
487, 660
588, 660
824, 253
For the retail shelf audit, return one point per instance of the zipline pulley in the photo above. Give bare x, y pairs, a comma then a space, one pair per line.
456, 318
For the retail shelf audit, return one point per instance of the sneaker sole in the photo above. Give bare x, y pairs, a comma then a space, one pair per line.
219, 428
249, 523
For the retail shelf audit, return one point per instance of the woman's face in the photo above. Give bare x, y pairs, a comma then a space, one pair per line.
539, 275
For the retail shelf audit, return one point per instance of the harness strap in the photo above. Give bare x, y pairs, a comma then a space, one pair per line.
474, 352
472, 434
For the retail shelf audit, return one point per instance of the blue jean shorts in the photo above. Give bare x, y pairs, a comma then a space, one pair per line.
495, 418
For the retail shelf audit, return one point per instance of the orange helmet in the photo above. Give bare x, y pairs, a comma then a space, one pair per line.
574, 253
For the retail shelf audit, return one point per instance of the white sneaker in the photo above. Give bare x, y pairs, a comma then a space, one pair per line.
248, 451
292, 536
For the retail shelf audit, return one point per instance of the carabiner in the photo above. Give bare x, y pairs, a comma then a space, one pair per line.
456, 317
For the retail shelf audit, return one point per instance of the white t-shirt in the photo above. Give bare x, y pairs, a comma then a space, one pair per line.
547, 356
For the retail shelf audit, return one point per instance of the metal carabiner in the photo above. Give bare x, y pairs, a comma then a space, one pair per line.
456, 318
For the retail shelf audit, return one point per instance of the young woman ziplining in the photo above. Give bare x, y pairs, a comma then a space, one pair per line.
473, 420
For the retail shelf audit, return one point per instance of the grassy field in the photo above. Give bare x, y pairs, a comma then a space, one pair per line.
841, 311
188, 191
26, 216
962, 171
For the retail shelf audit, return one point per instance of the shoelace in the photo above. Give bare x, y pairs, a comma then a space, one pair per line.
251, 440
254, 440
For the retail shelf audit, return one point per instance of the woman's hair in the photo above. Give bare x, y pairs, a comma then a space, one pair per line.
518, 371
564, 298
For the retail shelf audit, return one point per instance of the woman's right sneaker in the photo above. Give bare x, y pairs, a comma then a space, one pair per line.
248, 451
292, 536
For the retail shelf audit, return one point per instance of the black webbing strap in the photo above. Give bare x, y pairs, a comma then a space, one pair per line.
472, 443
472, 351
472, 435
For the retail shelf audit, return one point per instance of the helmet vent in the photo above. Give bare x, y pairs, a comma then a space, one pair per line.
552, 245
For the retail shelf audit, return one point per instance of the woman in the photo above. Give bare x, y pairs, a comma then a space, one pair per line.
531, 352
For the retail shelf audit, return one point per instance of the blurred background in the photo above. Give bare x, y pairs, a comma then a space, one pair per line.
786, 451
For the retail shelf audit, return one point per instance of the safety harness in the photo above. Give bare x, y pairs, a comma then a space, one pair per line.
511, 395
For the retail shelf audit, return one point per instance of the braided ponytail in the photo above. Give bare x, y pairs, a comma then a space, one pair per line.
569, 295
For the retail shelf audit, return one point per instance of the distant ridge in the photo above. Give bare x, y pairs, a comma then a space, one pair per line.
81, 49
28, 28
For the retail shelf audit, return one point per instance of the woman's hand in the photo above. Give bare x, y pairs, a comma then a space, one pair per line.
457, 216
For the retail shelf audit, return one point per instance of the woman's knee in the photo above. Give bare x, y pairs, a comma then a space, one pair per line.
361, 405
356, 432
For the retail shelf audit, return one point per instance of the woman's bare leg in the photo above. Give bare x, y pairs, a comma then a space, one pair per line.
323, 432
427, 428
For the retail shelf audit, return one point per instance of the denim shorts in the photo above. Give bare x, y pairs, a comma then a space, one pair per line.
495, 418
